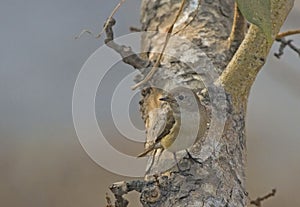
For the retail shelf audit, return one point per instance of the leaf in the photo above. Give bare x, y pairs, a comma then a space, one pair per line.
258, 12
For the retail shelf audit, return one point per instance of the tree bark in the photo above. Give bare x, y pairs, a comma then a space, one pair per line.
218, 179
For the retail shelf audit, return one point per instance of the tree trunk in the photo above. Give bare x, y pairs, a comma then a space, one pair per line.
228, 69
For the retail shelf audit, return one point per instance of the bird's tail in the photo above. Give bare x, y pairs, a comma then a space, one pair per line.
148, 150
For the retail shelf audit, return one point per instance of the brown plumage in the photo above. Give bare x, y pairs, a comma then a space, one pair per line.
181, 104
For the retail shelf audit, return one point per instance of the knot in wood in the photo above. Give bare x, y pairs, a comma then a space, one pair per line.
151, 195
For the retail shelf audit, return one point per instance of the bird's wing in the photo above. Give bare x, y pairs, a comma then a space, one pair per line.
157, 123
162, 121
160, 124
169, 122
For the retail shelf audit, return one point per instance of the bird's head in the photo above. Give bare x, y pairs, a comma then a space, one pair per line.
182, 98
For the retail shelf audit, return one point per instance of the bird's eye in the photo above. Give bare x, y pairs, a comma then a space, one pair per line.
181, 97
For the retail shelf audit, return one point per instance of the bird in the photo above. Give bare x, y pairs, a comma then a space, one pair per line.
183, 121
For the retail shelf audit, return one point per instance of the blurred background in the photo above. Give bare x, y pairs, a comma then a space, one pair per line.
41, 160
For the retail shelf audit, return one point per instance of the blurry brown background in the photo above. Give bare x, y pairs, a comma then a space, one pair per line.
41, 160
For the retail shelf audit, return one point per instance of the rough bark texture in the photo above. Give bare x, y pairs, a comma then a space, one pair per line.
219, 180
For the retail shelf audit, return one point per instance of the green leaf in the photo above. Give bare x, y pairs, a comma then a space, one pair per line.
258, 12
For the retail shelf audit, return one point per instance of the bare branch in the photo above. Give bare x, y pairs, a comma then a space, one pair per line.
283, 44
157, 63
193, 18
259, 200
84, 31
110, 17
134, 29
287, 33
128, 56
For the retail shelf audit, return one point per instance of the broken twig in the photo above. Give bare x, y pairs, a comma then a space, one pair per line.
105, 25
259, 200
283, 44
126, 53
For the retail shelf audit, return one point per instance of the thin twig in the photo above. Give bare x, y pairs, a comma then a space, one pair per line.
193, 18
105, 25
110, 17
283, 44
157, 63
287, 33
259, 200
83, 32
134, 29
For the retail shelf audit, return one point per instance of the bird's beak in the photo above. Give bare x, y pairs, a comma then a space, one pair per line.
167, 99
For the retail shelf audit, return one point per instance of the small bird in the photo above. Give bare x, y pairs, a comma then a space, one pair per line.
184, 123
